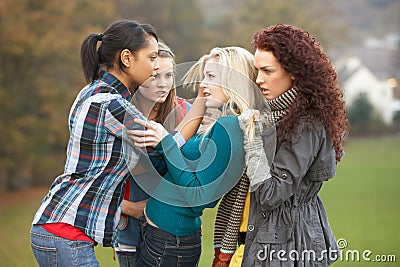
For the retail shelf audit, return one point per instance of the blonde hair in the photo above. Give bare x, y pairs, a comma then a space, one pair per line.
238, 76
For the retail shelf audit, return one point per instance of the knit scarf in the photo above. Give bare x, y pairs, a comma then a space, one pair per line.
280, 105
229, 214
227, 222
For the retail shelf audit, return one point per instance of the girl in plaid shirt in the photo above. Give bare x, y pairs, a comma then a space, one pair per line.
81, 209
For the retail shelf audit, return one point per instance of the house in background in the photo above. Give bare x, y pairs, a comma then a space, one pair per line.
370, 71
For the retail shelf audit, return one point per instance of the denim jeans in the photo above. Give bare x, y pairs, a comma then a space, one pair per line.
51, 250
160, 248
126, 259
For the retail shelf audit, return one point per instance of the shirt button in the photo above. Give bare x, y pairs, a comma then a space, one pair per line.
250, 228
284, 175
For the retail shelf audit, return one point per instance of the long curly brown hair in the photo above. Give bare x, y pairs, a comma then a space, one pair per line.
318, 96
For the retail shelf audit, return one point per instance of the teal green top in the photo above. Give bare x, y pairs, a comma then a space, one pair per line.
197, 176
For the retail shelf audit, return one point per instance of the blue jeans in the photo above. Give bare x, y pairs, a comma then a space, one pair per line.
126, 259
162, 249
51, 250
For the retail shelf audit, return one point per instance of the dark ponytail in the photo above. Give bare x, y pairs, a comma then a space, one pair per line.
89, 57
124, 34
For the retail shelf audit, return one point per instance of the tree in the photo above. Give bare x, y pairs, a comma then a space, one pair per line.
179, 23
364, 119
361, 111
39, 77
320, 18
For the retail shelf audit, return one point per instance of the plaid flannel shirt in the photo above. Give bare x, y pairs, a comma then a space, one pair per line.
88, 194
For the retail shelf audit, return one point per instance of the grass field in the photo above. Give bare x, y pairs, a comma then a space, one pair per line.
361, 202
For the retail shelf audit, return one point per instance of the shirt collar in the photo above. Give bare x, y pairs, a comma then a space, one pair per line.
115, 84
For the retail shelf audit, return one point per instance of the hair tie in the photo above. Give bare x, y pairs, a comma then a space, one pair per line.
100, 37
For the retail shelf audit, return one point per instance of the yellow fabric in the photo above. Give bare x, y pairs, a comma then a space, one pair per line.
245, 215
237, 258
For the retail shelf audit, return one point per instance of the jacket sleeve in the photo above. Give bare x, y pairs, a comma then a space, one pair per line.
310, 153
219, 167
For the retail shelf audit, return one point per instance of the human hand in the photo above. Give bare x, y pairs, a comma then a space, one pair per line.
249, 120
151, 137
258, 165
133, 209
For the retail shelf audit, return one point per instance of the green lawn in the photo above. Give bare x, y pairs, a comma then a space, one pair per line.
361, 202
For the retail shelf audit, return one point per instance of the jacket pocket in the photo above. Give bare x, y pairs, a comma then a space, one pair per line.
277, 235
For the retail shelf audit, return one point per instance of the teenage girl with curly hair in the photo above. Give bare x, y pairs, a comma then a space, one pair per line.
287, 223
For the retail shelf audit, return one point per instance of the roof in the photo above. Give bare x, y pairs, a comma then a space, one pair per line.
379, 61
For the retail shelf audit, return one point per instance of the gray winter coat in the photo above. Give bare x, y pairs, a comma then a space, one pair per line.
288, 225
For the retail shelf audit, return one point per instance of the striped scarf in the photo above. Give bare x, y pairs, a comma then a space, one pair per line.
280, 105
229, 214
227, 222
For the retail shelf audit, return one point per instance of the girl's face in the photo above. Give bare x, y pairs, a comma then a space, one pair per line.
272, 79
145, 63
159, 87
211, 84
